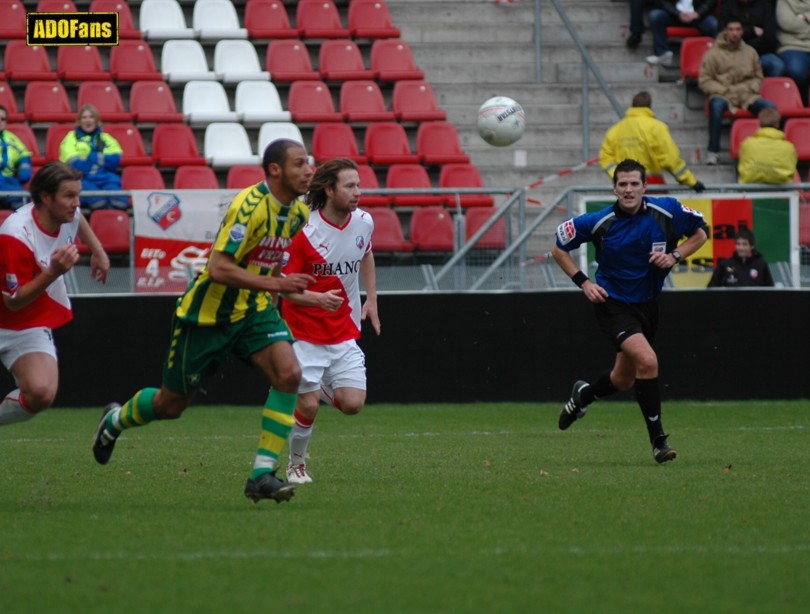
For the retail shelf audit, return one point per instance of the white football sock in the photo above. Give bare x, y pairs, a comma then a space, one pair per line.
299, 442
11, 410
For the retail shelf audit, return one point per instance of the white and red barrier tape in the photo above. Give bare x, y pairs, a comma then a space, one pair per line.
555, 176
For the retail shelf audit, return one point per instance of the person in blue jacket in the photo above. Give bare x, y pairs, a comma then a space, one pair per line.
97, 155
637, 244
15, 163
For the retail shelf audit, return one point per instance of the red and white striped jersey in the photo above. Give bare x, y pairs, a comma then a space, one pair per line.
25, 251
332, 255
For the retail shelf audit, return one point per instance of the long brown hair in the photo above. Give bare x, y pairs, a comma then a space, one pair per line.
326, 176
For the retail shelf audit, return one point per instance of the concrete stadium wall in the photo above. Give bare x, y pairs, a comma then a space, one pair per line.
474, 347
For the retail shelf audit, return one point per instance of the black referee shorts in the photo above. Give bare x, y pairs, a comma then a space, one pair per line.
619, 320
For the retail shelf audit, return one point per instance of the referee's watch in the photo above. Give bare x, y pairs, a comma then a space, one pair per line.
677, 255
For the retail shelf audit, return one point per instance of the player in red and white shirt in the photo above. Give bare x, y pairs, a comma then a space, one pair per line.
335, 248
36, 249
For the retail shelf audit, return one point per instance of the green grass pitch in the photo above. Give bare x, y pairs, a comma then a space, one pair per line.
414, 508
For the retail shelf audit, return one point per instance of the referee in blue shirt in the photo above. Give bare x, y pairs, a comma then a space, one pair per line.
636, 241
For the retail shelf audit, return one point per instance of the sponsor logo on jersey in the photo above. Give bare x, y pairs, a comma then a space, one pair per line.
566, 232
269, 252
328, 269
692, 211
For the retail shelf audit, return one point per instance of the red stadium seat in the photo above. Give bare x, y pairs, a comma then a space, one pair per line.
12, 20
288, 60
4, 213
8, 100
319, 19
387, 143
494, 238
388, 235
362, 101
371, 19
53, 139
463, 176
56, 6
438, 143
104, 95
368, 181
341, 60
195, 178
131, 141
47, 101
240, 177
413, 176
414, 101
153, 101
80, 64
392, 60
24, 63
797, 131
782, 91
740, 130
126, 23
113, 229
133, 60
268, 19
692, 52
29, 139
175, 145
311, 102
142, 178
335, 140
432, 230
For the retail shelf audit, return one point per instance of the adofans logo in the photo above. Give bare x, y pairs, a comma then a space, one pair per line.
72, 29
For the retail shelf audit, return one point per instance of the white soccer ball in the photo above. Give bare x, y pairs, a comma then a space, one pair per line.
501, 121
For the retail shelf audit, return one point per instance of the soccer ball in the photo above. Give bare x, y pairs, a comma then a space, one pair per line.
501, 121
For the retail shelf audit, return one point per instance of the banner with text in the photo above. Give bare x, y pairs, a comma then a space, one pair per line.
174, 230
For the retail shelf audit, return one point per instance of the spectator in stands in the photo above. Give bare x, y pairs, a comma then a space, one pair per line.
684, 13
15, 163
641, 136
730, 75
793, 19
746, 268
37, 249
767, 156
97, 155
636, 22
759, 31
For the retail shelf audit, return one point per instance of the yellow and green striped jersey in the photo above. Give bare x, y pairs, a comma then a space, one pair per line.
256, 231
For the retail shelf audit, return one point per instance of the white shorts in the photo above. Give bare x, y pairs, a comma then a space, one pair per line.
342, 365
16, 343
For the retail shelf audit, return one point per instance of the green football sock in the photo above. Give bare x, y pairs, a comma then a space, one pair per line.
277, 420
138, 411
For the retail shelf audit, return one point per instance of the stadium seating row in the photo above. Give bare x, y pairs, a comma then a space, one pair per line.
218, 19
233, 61
227, 143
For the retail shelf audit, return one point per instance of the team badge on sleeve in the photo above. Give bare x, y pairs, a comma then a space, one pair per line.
566, 232
237, 232
11, 282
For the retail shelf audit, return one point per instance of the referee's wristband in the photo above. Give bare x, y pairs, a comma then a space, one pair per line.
579, 278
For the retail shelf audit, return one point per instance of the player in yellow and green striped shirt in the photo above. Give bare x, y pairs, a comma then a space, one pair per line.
229, 308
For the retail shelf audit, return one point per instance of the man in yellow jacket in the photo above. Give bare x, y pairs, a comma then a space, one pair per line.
15, 163
642, 137
767, 156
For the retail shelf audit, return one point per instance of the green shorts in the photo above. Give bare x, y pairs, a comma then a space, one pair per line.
196, 352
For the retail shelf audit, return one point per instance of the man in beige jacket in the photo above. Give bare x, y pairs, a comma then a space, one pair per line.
730, 75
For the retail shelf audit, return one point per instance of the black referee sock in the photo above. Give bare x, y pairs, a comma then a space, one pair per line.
600, 389
648, 395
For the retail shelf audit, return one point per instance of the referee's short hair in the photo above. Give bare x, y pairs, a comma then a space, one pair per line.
628, 166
